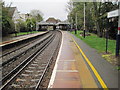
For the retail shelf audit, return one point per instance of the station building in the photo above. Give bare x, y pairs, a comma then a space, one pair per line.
52, 24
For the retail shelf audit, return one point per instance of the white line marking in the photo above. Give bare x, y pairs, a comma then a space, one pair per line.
67, 60
56, 64
67, 70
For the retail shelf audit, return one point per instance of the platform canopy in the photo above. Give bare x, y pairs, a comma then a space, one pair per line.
63, 23
46, 23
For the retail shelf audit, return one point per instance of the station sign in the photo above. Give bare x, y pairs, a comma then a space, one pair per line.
114, 13
119, 28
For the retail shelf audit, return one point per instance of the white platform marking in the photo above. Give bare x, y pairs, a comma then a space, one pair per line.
67, 70
55, 68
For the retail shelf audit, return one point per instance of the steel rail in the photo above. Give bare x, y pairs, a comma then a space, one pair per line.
18, 55
46, 68
16, 69
25, 63
23, 45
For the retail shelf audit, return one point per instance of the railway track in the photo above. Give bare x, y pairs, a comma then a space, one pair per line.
6, 50
34, 67
18, 50
12, 64
9, 57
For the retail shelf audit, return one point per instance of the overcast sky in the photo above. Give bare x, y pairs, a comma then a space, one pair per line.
50, 8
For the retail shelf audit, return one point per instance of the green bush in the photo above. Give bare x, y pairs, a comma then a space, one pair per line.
7, 23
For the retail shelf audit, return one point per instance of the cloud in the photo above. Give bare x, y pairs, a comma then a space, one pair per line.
50, 8
36, 0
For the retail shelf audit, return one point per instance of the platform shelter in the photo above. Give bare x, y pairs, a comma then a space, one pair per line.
64, 25
44, 26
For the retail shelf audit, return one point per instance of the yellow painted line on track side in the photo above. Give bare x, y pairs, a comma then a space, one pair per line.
102, 83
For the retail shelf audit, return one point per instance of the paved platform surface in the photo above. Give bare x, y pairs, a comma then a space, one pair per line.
19, 38
70, 70
107, 71
73, 71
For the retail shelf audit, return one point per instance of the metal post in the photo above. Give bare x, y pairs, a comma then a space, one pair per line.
119, 20
71, 23
76, 24
107, 37
84, 21
118, 35
106, 41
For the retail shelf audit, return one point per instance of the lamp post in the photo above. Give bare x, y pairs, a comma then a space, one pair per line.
76, 24
118, 34
71, 23
84, 22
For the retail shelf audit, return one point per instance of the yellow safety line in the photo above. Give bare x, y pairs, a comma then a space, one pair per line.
92, 67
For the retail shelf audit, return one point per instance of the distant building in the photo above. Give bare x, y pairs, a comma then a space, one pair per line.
58, 20
63, 25
14, 14
51, 20
52, 24
24, 17
43, 25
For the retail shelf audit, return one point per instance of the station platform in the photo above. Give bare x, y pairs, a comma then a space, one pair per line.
70, 70
19, 38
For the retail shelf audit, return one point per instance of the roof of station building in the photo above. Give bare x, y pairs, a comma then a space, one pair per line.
63, 22
46, 23
51, 23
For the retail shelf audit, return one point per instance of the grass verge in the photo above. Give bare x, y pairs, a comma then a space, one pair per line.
25, 33
100, 45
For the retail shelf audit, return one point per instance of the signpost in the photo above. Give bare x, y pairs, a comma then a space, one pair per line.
116, 13
107, 39
118, 34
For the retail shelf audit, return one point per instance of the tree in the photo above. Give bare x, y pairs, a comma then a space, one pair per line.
37, 15
22, 25
69, 6
0, 17
96, 17
96, 14
109, 27
33, 20
30, 22
7, 23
